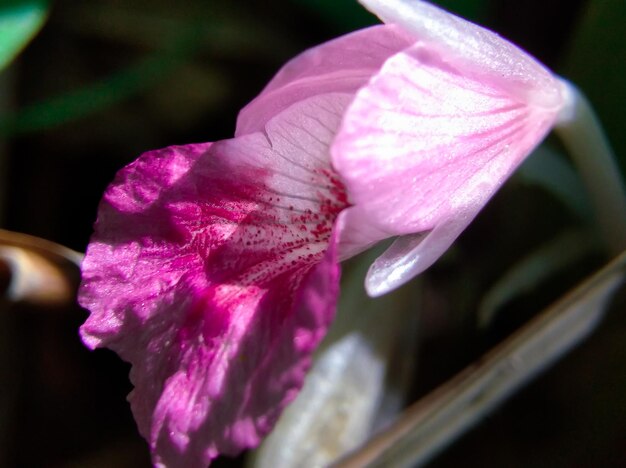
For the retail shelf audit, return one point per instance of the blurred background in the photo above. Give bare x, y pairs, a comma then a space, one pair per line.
105, 80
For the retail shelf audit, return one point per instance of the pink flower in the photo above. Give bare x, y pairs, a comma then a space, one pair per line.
214, 267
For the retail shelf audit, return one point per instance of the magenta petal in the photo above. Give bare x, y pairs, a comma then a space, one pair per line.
232, 380
214, 272
424, 144
123, 260
341, 65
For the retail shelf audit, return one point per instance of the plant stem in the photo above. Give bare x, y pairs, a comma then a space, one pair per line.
582, 135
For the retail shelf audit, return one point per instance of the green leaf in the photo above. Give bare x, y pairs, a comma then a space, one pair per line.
104, 93
20, 20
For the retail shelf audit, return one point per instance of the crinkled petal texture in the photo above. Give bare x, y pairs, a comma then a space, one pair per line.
430, 138
214, 271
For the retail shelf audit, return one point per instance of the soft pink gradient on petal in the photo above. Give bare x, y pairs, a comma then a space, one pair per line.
422, 143
411, 254
356, 234
213, 271
479, 52
341, 65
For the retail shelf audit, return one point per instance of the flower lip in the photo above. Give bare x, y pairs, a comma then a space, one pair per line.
210, 269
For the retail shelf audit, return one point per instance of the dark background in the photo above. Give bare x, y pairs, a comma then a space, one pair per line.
107, 80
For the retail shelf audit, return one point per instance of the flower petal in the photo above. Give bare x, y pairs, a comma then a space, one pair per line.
480, 53
341, 65
411, 254
214, 272
424, 143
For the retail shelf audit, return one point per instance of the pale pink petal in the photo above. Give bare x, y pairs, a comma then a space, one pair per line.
356, 235
411, 254
480, 53
423, 142
213, 271
341, 65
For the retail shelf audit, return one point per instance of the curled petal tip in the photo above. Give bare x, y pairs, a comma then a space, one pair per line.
475, 50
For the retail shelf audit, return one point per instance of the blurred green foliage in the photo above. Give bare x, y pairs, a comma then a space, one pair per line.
19, 22
106, 92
